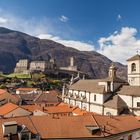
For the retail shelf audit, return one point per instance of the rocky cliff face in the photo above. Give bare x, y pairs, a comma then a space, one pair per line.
15, 45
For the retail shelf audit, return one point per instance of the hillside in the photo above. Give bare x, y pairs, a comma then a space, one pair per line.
15, 45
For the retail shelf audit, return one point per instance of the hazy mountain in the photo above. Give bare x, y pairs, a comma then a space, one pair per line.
15, 45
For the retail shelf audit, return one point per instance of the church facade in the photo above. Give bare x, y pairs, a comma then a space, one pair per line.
108, 96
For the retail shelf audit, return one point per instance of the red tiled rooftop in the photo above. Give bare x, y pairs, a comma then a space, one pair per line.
2, 91
7, 108
75, 126
26, 89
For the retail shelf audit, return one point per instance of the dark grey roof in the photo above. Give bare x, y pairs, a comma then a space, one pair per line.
130, 90
89, 86
115, 102
50, 97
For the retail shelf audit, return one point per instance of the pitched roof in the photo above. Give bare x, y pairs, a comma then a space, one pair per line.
7, 96
78, 111
26, 89
2, 91
59, 109
20, 121
115, 79
75, 126
115, 102
50, 97
9, 107
32, 108
130, 90
88, 85
27, 98
5, 109
117, 124
135, 57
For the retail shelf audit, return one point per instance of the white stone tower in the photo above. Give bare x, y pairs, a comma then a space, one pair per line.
134, 70
71, 61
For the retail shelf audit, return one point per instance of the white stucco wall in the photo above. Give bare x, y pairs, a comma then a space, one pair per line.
127, 99
72, 102
135, 100
96, 108
136, 112
66, 100
111, 110
85, 106
79, 104
134, 76
39, 113
99, 98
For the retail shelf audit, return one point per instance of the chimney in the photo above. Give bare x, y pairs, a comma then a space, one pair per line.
9, 128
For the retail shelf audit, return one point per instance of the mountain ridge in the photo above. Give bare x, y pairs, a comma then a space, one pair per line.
15, 45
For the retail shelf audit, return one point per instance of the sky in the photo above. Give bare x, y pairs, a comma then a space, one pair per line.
110, 27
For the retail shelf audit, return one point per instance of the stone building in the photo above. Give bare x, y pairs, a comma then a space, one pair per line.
22, 66
71, 67
92, 94
108, 96
37, 66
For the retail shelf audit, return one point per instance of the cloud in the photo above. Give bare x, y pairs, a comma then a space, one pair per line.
120, 45
119, 17
43, 28
32, 26
82, 46
63, 18
3, 20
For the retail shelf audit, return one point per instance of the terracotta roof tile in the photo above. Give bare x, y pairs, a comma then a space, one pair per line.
2, 91
75, 126
5, 109
26, 89
78, 111
32, 108
59, 109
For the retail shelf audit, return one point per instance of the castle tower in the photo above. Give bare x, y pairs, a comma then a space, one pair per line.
134, 70
112, 72
71, 61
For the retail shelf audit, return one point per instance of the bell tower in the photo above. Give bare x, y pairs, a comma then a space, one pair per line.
134, 70
112, 72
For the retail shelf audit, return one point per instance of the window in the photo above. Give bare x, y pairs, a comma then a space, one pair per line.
25, 136
138, 104
133, 67
130, 137
94, 97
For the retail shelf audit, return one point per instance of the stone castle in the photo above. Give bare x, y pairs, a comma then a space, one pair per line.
24, 66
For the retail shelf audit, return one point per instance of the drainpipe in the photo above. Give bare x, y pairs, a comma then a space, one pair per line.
89, 101
103, 110
132, 104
